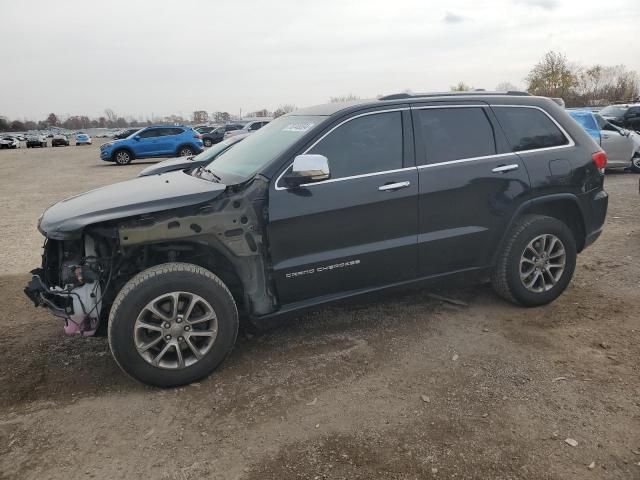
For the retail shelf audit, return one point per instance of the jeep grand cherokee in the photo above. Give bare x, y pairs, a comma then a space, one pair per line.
322, 204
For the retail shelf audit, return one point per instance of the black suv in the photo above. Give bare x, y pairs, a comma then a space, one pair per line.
625, 116
216, 135
320, 205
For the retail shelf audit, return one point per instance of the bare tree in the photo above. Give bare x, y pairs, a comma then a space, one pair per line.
506, 87
283, 109
350, 97
461, 87
52, 119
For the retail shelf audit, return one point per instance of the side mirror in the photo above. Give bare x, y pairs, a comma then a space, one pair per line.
307, 169
137, 137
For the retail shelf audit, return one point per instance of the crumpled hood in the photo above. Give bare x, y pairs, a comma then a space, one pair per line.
67, 219
180, 163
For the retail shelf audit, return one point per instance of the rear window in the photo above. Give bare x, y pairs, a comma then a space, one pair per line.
455, 134
587, 120
529, 128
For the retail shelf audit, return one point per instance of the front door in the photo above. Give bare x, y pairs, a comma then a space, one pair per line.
358, 229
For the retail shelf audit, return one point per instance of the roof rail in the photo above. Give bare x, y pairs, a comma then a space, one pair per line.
399, 96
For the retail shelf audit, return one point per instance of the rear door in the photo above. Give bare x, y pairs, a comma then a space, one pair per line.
358, 229
470, 184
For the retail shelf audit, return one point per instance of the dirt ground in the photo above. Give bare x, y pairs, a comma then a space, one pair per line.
403, 387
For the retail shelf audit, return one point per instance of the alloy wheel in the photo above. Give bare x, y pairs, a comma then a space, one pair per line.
542, 263
175, 330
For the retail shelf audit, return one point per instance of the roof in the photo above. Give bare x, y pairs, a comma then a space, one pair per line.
328, 109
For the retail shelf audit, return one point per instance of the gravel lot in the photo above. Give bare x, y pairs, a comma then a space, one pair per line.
403, 387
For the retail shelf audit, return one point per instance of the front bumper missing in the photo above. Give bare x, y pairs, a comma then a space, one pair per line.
77, 307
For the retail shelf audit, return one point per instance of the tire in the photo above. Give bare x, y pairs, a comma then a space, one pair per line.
122, 157
517, 259
129, 316
185, 151
207, 142
635, 163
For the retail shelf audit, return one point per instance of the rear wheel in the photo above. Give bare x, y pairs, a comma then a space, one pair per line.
635, 163
185, 151
207, 142
537, 263
172, 324
122, 157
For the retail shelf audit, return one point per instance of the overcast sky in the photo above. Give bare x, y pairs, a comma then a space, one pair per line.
161, 57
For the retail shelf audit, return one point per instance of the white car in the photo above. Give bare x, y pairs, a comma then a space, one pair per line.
83, 139
9, 142
250, 127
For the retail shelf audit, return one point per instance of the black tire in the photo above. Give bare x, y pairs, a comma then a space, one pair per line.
207, 142
122, 157
152, 283
505, 278
635, 163
185, 151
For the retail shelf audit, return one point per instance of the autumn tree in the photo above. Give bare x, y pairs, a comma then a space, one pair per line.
52, 120
200, 116
552, 76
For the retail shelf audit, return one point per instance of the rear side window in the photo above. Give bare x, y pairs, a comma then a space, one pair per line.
529, 128
368, 144
455, 134
154, 132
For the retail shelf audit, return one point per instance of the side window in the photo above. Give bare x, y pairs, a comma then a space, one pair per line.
368, 144
529, 128
455, 134
153, 132
633, 112
175, 131
255, 126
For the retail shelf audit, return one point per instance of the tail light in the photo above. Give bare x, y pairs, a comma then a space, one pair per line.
198, 135
599, 160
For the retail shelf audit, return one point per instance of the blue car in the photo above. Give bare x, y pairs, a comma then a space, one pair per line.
83, 139
157, 141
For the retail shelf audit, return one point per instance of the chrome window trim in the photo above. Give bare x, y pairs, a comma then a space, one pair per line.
470, 159
401, 109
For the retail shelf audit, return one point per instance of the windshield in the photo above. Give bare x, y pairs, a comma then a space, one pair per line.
613, 111
215, 150
585, 119
262, 147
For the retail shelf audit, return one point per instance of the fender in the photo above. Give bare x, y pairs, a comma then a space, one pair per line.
555, 197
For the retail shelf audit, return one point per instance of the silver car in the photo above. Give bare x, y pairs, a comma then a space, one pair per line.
622, 146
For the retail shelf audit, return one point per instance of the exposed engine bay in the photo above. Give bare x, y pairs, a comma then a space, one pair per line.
81, 276
70, 283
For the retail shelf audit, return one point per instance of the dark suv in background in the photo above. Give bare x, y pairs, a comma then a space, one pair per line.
216, 135
321, 205
625, 116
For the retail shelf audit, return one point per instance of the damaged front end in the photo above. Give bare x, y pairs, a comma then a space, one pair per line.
70, 283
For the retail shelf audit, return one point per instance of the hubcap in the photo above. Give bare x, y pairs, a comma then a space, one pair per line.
636, 160
185, 152
542, 263
175, 330
122, 157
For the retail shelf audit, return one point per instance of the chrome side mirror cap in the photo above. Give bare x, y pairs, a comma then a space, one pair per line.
307, 168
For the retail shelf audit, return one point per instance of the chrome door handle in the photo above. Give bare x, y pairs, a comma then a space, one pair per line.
505, 168
393, 186
605, 136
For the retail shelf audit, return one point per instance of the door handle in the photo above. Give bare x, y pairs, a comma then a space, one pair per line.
505, 168
605, 136
393, 186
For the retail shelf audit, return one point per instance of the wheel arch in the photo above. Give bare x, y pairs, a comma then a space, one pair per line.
563, 206
125, 148
186, 144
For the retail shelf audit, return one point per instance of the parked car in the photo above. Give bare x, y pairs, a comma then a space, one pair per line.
617, 142
218, 134
60, 140
196, 161
158, 141
624, 115
83, 139
353, 198
37, 140
9, 142
125, 133
250, 127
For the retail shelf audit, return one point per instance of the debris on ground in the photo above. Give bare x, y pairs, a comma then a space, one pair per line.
452, 301
571, 441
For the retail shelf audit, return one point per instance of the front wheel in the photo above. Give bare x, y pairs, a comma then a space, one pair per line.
122, 157
185, 152
537, 262
635, 163
172, 324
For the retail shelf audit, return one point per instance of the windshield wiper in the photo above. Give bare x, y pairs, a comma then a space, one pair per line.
205, 174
